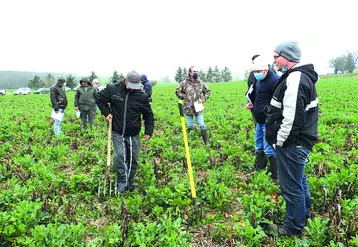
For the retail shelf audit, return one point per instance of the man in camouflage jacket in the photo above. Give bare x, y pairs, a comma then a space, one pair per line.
192, 90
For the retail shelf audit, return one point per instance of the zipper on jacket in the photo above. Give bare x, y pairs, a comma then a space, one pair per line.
125, 114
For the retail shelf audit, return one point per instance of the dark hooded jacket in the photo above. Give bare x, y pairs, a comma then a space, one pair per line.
147, 86
126, 107
292, 116
85, 98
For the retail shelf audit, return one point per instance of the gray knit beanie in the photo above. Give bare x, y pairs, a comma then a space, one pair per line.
289, 50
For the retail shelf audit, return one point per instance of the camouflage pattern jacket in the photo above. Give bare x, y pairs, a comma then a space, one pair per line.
191, 91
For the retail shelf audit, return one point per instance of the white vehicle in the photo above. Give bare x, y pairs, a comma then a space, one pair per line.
23, 91
2, 92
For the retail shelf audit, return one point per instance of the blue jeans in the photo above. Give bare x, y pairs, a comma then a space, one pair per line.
291, 162
57, 125
199, 120
260, 141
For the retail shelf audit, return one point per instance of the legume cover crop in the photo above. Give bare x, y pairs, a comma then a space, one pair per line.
48, 184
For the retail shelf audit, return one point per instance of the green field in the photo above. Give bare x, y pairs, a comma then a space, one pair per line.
48, 184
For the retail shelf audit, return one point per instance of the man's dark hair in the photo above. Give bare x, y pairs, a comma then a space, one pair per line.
190, 69
254, 57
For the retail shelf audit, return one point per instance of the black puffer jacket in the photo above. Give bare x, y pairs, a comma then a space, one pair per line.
126, 107
292, 116
58, 97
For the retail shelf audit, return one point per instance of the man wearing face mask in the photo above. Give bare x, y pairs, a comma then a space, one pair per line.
192, 90
291, 124
260, 94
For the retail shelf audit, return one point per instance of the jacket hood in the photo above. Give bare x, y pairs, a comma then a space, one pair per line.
143, 78
308, 69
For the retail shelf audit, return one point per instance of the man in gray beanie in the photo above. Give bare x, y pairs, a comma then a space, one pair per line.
291, 126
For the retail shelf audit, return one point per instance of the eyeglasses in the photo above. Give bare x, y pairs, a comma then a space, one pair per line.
195, 71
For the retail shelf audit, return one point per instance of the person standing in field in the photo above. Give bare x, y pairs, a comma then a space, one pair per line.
194, 91
59, 103
147, 86
251, 81
95, 83
85, 102
260, 94
125, 102
291, 125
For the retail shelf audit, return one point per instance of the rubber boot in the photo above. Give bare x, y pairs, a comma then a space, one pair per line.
204, 134
273, 168
261, 161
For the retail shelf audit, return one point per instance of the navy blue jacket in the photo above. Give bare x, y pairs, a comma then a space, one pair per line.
262, 95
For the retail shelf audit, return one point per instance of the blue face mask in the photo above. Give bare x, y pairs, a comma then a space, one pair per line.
259, 76
284, 69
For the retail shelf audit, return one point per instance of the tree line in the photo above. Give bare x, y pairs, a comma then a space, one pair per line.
345, 63
71, 81
211, 75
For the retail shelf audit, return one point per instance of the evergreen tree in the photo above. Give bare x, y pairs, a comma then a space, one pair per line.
115, 76
217, 75
178, 75
36, 82
185, 74
92, 76
49, 80
226, 74
209, 75
71, 81
202, 75
121, 76
247, 74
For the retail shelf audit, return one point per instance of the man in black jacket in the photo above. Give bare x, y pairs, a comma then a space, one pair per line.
124, 102
59, 104
291, 125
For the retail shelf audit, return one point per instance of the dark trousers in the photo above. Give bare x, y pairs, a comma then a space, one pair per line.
87, 117
291, 162
126, 155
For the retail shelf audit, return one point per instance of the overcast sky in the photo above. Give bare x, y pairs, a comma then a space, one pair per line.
156, 36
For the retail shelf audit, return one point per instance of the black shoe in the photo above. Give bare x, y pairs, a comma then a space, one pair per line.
121, 189
204, 134
261, 161
279, 230
131, 187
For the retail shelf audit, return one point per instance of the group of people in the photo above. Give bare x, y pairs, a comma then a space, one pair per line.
285, 112
284, 108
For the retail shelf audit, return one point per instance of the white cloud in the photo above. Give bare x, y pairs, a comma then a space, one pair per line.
155, 37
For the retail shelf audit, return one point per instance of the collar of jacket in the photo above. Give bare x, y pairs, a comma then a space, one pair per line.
194, 81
